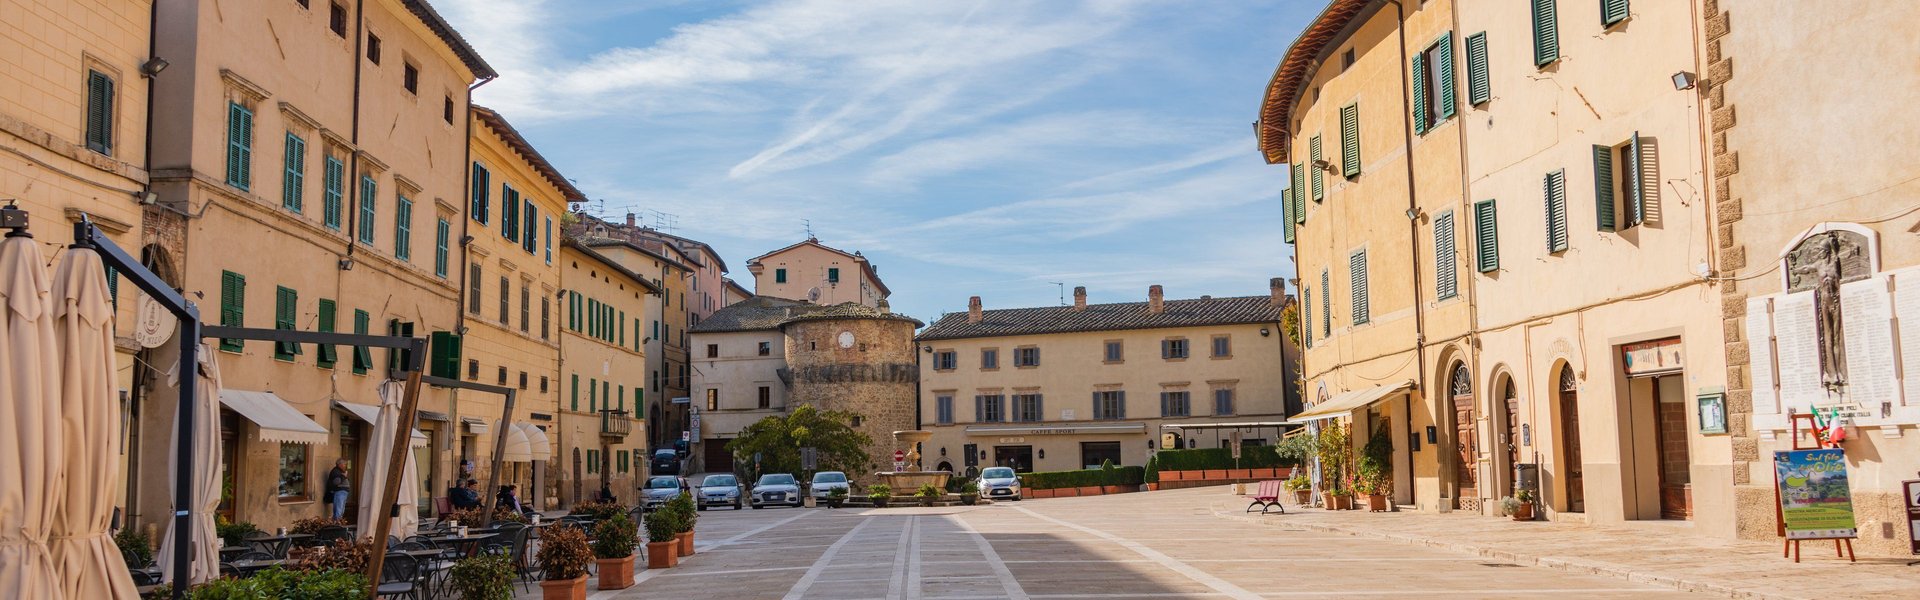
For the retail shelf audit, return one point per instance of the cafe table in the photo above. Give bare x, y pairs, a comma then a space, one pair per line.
249, 567
465, 544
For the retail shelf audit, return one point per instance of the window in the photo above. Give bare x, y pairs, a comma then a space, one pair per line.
441, 231
369, 197
1094, 455
1350, 140
302, 3
1346, 60
473, 288
294, 179
336, 184
1027, 408
1115, 351
286, 306
1326, 309
1357, 279
543, 384
1608, 181
1486, 236
713, 350
1222, 346
1174, 404
446, 109
1446, 282
529, 240
1223, 402
233, 306
1026, 357
1173, 348
1546, 33
337, 20
766, 397
945, 360
1479, 85
713, 399
526, 308
833, 275
523, 380
373, 48
547, 241
481, 186
593, 461
100, 113
779, 275
410, 78
325, 357
473, 370
1555, 190
362, 357
506, 302
293, 472
239, 146
1433, 84
509, 213
546, 317
1109, 405
1319, 175
989, 408
989, 358
403, 228
1612, 11
766, 348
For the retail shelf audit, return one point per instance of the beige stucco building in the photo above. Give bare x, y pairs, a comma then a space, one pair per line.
733, 294
1498, 210
663, 342
738, 364
602, 363
300, 212
817, 273
1060, 388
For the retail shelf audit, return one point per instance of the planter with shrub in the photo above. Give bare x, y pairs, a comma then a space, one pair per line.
684, 517
836, 497
564, 556
1302, 488
483, 577
613, 551
327, 584
600, 511
879, 495
233, 534
970, 494
928, 494
313, 525
1520, 505
663, 550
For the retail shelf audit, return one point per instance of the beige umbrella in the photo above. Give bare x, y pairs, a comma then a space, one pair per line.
373, 476
86, 558
32, 459
206, 473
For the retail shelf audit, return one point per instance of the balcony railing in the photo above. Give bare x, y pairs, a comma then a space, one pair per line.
615, 424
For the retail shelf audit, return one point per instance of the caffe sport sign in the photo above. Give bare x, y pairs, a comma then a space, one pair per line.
1815, 502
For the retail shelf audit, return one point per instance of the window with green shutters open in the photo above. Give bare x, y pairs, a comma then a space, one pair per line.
1612, 12
294, 181
1286, 210
286, 306
1546, 33
403, 229
239, 146
1326, 304
547, 240
1350, 140
100, 113
336, 189
1319, 175
509, 213
1446, 277
1357, 279
369, 199
1306, 316
1479, 81
1555, 190
1619, 170
481, 186
362, 356
233, 307
1486, 237
441, 232
1433, 94
324, 353
1299, 194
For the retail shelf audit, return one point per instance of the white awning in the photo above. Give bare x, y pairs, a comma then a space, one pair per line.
538, 445
370, 414
278, 421
1346, 402
1236, 425
474, 425
518, 448
1089, 428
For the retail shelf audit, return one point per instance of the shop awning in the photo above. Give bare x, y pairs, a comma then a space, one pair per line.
474, 425
370, 414
518, 448
1106, 428
1237, 425
538, 445
429, 415
1346, 402
278, 421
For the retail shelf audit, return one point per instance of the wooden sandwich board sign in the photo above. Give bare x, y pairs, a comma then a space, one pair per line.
1812, 499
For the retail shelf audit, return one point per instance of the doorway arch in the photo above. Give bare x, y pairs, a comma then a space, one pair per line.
1505, 409
1460, 396
1567, 404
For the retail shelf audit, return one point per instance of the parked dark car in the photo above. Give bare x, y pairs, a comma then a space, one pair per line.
666, 462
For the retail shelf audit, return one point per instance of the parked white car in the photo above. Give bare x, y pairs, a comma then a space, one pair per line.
1000, 483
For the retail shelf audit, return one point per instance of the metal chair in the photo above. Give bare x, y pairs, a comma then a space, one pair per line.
400, 576
254, 555
228, 571
326, 536
261, 541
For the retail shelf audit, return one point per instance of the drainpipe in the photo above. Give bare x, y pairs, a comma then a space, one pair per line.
1413, 234
466, 258
353, 166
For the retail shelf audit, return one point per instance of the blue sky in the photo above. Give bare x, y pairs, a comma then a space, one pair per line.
967, 148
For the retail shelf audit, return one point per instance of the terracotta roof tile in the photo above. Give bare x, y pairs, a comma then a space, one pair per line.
1105, 317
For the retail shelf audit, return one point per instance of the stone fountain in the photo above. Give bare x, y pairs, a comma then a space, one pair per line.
907, 482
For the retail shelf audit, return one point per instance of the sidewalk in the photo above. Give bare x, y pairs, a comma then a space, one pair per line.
1655, 553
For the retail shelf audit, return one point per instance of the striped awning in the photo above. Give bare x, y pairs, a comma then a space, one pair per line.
278, 421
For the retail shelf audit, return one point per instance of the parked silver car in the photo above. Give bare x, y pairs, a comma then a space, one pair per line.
1000, 483
720, 489
659, 490
825, 482
776, 489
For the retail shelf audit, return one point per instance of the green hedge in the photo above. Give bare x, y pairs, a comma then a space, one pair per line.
1251, 457
1085, 478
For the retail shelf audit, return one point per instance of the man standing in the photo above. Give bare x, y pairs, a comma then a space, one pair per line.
338, 484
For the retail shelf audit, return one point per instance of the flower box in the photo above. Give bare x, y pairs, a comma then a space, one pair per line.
615, 573
564, 589
663, 555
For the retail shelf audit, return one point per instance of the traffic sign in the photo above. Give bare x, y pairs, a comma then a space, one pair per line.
899, 456
1236, 445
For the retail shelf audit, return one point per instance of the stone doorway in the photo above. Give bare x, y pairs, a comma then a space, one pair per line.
1569, 400
1460, 390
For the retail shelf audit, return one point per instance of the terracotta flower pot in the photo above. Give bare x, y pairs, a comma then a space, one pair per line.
1332, 502
565, 589
1153, 487
1377, 503
1111, 489
615, 573
686, 543
1524, 513
1303, 497
663, 555
1091, 490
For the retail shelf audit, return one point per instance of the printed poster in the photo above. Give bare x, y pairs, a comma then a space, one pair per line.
1815, 502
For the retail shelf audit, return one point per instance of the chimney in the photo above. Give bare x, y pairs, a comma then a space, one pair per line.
629, 219
1278, 288
973, 309
1156, 303
884, 307
1079, 297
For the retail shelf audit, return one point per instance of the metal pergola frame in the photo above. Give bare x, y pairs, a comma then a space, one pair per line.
499, 437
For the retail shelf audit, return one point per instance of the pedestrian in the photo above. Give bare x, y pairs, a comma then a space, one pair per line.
467, 496
338, 484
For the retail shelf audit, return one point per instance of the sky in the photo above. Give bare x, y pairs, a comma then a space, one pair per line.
988, 148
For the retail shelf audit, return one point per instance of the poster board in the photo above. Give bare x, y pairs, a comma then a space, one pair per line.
1911, 492
1816, 502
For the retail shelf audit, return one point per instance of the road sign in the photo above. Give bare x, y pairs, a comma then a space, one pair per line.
900, 456
899, 465
808, 459
694, 422
683, 400
1236, 445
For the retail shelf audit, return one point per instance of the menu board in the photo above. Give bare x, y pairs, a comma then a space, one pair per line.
1867, 317
1798, 340
1760, 357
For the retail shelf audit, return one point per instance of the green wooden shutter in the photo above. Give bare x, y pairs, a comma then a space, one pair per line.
336, 183
99, 112
1419, 94
362, 357
509, 213
1443, 76
403, 229
1446, 277
293, 183
441, 231
444, 353
481, 186
1612, 11
1546, 33
1326, 304
369, 193
233, 307
575, 405
1486, 236
1357, 278
593, 395
1479, 84
1603, 208
1286, 212
620, 397
1306, 316
239, 146
1319, 174
286, 303
530, 229
1350, 139
1636, 182
325, 357
1299, 193
1556, 205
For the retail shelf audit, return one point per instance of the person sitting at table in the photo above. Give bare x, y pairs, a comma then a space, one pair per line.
466, 496
508, 499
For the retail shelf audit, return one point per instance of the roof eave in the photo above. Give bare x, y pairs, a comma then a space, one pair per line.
1283, 89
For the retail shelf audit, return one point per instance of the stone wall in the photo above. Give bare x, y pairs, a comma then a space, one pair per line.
873, 376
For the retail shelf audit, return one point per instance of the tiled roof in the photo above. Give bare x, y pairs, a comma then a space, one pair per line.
519, 144
426, 14
1105, 317
851, 310
768, 312
1277, 105
600, 242
587, 251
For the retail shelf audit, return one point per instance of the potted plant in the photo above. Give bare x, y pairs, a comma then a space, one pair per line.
483, 577
1375, 469
1523, 506
1302, 487
1338, 499
564, 556
970, 493
928, 494
684, 517
836, 497
879, 494
613, 552
1153, 473
663, 550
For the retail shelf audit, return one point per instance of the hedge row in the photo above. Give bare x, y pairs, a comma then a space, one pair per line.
1251, 457
1084, 478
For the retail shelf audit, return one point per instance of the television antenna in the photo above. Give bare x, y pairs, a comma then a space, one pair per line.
665, 221
1063, 291
808, 224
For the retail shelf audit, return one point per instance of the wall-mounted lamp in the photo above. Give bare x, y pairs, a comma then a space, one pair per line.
1414, 213
1149, 443
943, 451
927, 349
148, 198
346, 264
1684, 80
466, 240
1264, 332
1043, 453
153, 66
983, 455
1324, 165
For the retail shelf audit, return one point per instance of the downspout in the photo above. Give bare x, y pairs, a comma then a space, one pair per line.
466, 258
1413, 235
353, 168
1473, 288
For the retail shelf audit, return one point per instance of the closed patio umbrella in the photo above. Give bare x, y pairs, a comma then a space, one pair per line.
373, 477
31, 456
206, 473
88, 562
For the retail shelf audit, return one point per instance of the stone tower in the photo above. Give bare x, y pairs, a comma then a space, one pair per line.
858, 359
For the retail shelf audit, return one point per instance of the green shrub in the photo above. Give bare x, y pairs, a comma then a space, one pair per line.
599, 510
484, 577
1153, 469
232, 533
660, 527
614, 537
1121, 476
684, 514
331, 584
135, 542
1251, 457
928, 491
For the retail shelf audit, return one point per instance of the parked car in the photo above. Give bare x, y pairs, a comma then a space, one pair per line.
1000, 483
666, 462
825, 482
660, 489
776, 489
719, 489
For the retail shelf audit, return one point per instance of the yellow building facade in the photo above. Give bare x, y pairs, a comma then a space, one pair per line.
664, 352
603, 375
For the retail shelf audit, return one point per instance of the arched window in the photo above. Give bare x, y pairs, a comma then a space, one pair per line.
1462, 381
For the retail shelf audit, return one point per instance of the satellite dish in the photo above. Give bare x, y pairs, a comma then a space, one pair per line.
813, 294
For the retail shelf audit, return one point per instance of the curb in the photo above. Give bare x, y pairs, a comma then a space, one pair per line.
1571, 565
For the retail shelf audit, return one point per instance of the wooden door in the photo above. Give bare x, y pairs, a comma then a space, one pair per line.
1511, 438
1570, 441
1464, 449
1670, 431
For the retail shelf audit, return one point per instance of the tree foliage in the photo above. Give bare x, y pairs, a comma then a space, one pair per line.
778, 440
1290, 321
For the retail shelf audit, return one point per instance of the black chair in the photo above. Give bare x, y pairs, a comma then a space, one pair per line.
252, 555
260, 541
326, 536
399, 576
133, 560
144, 578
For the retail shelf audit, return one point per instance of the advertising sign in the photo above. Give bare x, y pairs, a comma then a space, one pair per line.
1815, 502
1912, 495
1657, 357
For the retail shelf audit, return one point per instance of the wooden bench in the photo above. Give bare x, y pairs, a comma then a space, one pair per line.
1267, 497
